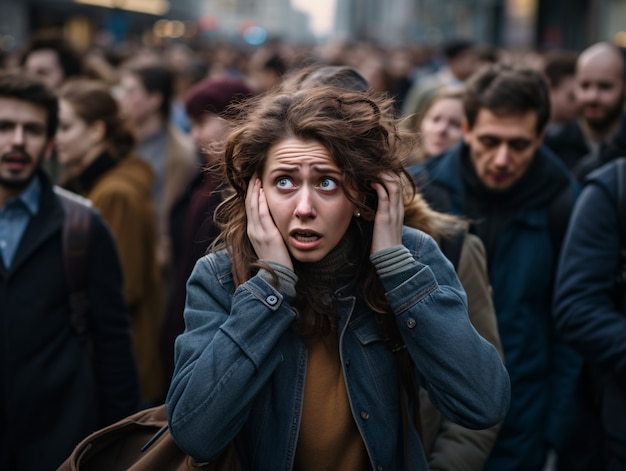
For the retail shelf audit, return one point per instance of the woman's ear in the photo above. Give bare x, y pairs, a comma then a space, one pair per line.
97, 131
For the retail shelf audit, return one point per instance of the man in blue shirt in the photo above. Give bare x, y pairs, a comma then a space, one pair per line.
53, 393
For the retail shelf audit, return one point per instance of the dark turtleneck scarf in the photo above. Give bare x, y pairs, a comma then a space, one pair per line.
492, 211
317, 281
87, 179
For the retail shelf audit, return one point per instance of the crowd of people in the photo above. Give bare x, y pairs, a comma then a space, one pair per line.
333, 257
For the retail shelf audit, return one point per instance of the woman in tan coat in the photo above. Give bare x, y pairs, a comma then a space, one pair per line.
94, 147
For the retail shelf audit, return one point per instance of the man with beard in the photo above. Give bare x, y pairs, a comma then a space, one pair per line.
599, 135
517, 196
54, 390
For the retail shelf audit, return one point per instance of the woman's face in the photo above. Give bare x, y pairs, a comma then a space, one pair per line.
442, 126
304, 191
73, 137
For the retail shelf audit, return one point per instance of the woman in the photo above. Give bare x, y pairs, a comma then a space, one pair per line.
440, 126
94, 147
284, 349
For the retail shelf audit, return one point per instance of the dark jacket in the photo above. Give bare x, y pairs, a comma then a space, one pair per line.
589, 308
570, 145
522, 255
53, 393
192, 230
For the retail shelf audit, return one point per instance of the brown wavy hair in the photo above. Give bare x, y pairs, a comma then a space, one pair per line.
363, 137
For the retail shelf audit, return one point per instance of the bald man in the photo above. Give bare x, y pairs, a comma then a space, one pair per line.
599, 133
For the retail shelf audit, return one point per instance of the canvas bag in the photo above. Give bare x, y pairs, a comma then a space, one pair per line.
141, 442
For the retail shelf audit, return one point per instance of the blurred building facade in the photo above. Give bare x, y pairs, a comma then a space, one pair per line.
569, 24
113, 21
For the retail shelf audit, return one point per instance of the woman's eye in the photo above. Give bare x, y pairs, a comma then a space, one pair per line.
284, 183
328, 184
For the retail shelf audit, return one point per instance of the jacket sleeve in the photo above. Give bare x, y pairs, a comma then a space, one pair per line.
114, 361
585, 312
462, 372
225, 356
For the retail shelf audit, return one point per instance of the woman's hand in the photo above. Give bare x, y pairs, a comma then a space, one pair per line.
390, 213
263, 234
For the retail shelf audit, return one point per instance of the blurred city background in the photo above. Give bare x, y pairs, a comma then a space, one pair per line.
511, 24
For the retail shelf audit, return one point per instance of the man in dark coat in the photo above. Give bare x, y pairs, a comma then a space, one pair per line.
599, 134
590, 304
53, 391
508, 185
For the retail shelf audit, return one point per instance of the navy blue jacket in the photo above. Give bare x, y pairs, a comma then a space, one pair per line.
585, 307
589, 305
522, 257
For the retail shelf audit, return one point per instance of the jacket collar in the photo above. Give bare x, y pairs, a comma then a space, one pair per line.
42, 226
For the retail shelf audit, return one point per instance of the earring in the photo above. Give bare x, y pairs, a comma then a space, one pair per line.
357, 214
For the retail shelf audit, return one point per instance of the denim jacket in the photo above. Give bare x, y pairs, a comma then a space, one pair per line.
240, 367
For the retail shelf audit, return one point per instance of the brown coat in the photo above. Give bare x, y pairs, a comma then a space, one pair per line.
450, 447
123, 196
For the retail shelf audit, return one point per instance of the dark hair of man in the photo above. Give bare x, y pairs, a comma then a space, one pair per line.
155, 78
69, 58
506, 90
558, 65
22, 86
455, 47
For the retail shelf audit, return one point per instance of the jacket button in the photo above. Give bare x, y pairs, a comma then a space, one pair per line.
364, 415
271, 300
410, 323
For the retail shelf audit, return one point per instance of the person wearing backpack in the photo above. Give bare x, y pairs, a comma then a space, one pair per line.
58, 385
590, 307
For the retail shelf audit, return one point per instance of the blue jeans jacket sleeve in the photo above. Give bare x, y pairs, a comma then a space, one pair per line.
228, 345
463, 373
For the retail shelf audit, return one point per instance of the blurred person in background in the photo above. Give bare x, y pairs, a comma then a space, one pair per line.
462, 58
441, 124
58, 383
599, 134
95, 147
266, 69
590, 311
146, 92
518, 197
49, 55
192, 228
559, 68
188, 69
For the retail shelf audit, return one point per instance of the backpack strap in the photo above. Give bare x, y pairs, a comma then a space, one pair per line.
75, 241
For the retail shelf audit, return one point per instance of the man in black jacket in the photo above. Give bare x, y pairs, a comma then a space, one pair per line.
599, 135
53, 391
